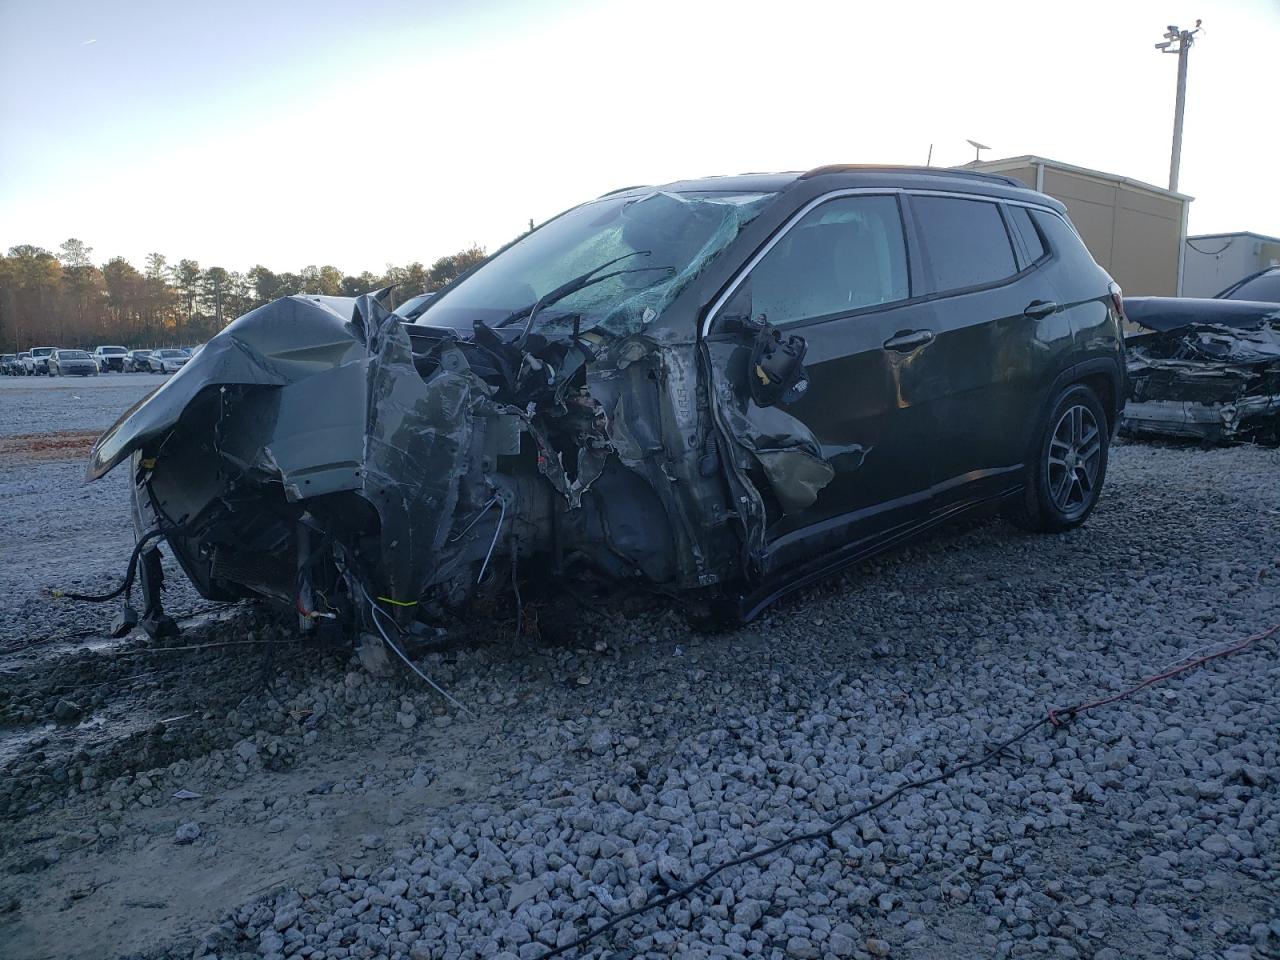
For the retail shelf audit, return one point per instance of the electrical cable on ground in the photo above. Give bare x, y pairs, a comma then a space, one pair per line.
131, 573
1055, 718
376, 610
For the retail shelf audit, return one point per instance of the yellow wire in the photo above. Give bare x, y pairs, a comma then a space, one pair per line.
399, 603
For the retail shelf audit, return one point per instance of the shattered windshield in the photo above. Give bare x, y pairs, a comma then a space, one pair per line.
675, 234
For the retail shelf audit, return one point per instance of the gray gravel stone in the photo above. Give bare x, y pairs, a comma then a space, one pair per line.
1123, 831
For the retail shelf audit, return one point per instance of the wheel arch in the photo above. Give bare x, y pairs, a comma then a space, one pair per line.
1104, 376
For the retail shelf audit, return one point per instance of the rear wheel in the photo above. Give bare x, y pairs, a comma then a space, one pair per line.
1068, 464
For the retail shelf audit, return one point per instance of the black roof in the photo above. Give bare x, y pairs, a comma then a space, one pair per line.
859, 175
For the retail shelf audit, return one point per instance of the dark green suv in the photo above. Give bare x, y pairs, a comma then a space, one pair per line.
725, 386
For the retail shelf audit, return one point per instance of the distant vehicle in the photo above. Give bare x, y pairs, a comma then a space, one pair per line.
1260, 287
71, 363
25, 364
110, 358
167, 361
1243, 304
137, 361
40, 359
9, 364
414, 307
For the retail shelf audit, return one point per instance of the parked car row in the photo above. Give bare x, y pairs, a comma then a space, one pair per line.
57, 361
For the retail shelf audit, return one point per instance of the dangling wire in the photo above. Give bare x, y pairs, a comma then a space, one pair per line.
496, 533
131, 573
376, 610
474, 520
515, 584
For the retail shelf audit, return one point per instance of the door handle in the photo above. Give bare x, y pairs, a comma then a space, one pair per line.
904, 341
1039, 309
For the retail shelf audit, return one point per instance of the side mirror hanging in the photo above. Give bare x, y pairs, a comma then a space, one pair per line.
776, 373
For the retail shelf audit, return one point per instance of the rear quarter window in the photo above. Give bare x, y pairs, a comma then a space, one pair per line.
1063, 241
966, 241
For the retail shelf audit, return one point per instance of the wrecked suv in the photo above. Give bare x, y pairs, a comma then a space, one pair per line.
726, 387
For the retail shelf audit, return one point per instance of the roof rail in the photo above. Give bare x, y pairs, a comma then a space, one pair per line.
929, 171
610, 193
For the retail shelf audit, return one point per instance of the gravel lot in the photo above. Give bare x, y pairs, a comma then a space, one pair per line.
268, 799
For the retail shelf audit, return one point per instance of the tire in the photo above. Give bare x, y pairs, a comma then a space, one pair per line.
1067, 466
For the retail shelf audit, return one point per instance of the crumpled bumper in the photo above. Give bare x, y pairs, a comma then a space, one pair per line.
1206, 381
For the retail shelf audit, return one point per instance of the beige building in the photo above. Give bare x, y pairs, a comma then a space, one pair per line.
1136, 231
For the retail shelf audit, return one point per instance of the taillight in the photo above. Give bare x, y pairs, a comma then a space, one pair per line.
1117, 300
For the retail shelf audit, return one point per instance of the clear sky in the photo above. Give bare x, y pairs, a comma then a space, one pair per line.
362, 133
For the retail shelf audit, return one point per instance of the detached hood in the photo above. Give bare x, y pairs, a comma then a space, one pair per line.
279, 343
1163, 314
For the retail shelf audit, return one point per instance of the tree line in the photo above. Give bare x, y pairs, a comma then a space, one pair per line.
64, 299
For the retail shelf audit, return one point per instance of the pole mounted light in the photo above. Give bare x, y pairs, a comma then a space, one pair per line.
1179, 42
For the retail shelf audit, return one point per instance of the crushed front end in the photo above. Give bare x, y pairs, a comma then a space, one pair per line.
329, 455
1210, 382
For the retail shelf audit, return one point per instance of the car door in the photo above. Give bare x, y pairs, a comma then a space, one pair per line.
991, 309
850, 449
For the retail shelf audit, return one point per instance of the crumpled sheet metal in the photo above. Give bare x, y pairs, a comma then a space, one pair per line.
1208, 381
258, 349
787, 451
1211, 343
1209, 421
417, 439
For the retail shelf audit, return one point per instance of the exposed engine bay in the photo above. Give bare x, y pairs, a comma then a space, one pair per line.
1208, 381
328, 454
420, 466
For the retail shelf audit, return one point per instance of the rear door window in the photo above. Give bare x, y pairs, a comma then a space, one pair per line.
844, 255
966, 240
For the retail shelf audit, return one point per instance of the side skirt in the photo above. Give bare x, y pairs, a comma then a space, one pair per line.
785, 582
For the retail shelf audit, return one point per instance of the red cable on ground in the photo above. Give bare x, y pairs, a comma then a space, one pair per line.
1156, 678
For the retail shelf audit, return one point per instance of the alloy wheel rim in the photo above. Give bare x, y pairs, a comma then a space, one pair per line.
1075, 452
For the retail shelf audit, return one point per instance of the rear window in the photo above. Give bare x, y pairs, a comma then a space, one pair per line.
967, 241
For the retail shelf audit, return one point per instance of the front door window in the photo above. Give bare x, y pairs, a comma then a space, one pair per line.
844, 255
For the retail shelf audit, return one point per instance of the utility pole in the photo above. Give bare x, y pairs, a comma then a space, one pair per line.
1179, 42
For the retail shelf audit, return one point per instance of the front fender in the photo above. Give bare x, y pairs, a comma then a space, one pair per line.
279, 343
